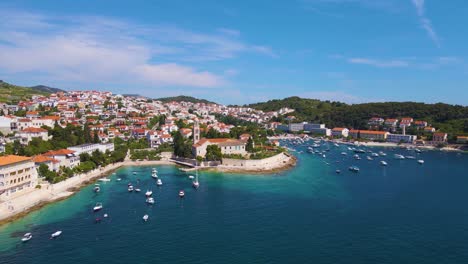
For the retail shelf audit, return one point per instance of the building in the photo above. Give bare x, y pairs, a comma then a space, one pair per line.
90, 148
439, 137
400, 138
369, 134
340, 132
406, 122
462, 139
17, 175
29, 133
391, 122
65, 157
53, 164
420, 124
376, 121
295, 127
429, 129
318, 129
227, 146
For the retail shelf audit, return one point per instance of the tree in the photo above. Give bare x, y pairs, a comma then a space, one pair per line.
213, 152
96, 137
249, 147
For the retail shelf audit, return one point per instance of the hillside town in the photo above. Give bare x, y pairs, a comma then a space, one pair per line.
51, 138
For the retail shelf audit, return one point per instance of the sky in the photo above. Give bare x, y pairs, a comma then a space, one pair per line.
242, 51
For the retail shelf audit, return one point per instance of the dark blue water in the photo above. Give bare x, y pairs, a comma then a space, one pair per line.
402, 213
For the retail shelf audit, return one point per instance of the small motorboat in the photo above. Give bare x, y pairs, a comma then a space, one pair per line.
356, 157
417, 150
97, 207
96, 188
181, 193
373, 154
354, 169
383, 154
56, 234
338, 171
104, 180
26, 237
421, 161
106, 215
191, 177
324, 156
159, 182
369, 158
134, 173
150, 200
359, 151
410, 157
148, 193
145, 217
130, 188
344, 153
195, 184
119, 179
383, 163
137, 190
399, 157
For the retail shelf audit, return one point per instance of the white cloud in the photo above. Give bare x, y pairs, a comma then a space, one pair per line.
426, 24
103, 50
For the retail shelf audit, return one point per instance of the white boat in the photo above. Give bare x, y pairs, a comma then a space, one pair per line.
145, 217
410, 157
119, 179
96, 188
104, 180
324, 156
106, 215
149, 193
354, 169
137, 190
159, 182
417, 150
369, 158
195, 183
383, 163
356, 156
338, 171
134, 173
130, 188
150, 200
56, 234
383, 154
344, 153
26, 237
181, 194
373, 154
398, 156
97, 207
191, 177
421, 161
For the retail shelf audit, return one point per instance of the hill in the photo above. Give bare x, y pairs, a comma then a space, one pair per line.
449, 118
183, 98
10, 93
47, 89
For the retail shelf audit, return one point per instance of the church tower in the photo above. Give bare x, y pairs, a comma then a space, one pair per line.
196, 132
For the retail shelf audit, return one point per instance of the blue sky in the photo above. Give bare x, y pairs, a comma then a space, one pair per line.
242, 51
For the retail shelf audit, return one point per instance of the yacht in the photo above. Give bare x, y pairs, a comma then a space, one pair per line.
150, 200
148, 193
356, 156
383, 154
145, 217
373, 154
421, 161
354, 169
344, 153
159, 182
97, 207
154, 174
398, 156
359, 151
137, 190
383, 163
410, 157
104, 180
369, 158
130, 188
96, 188
181, 193
56, 234
26, 237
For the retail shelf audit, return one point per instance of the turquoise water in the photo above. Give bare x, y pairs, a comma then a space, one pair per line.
403, 213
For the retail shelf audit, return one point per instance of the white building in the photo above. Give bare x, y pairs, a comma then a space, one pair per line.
397, 138
29, 133
90, 148
340, 132
17, 175
318, 129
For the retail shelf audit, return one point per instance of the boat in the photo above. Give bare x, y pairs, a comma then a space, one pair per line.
383, 154
338, 171
344, 153
417, 150
130, 188
134, 173
154, 173
191, 177
398, 156
145, 217
195, 183
97, 207
373, 154
26, 237
119, 179
324, 156
421, 161
106, 215
383, 163
159, 182
356, 156
137, 190
149, 193
150, 200
410, 157
181, 193
104, 180
359, 151
336, 145
354, 169
56, 234
369, 158
96, 188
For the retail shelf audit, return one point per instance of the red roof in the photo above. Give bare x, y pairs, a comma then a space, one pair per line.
33, 130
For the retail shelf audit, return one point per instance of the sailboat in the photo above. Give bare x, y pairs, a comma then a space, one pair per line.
154, 173
195, 183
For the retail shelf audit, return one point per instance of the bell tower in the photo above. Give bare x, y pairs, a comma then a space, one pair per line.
196, 132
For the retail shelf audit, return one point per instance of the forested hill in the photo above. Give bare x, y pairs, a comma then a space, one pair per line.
449, 118
183, 98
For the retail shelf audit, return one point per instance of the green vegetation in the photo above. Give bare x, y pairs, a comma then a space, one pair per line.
182, 147
447, 118
145, 155
12, 94
183, 98
213, 153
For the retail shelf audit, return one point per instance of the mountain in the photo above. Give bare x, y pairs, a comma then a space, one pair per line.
10, 93
183, 98
47, 89
448, 118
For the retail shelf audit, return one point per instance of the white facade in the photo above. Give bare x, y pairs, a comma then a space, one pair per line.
90, 148
17, 175
397, 138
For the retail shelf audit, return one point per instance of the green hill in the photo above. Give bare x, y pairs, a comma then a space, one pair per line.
183, 98
448, 118
10, 93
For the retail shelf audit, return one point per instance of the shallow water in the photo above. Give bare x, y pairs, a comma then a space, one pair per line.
402, 213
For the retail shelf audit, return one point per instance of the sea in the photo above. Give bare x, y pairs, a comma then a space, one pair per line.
405, 212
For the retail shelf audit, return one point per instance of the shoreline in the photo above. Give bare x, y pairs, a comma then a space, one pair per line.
50, 193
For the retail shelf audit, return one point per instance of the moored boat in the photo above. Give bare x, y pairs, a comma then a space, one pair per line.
150, 200
130, 188
159, 182
56, 234
354, 169
97, 207
26, 237
149, 193
96, 188
145, 217
181, 193
383, 163
421, 161
398, 156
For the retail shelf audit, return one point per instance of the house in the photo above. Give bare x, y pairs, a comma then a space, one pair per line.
66, 157
318, 129
29, 133
369, 134
400, 138
420, 124
429, 129
462, 139
391, 122
340, 132
406, 122
439, 137
186, 132
376, 121
17, 176
244, 137
138, 133
227, 146
52, 163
